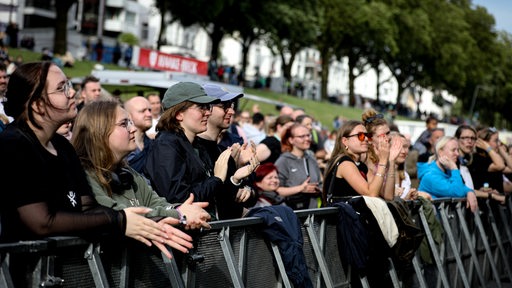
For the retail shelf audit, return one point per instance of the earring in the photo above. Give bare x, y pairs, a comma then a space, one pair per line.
346, 147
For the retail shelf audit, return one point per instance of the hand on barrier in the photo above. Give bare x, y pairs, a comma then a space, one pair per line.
141, 228
176, 238
471, 202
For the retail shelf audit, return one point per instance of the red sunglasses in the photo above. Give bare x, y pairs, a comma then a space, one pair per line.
361, 136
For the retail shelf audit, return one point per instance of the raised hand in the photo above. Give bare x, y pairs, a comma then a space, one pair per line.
246, 170
243, 194
221, 165
394, 151
196, 216
383, 150
247, 152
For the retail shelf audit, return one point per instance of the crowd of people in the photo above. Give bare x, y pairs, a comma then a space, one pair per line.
153, 168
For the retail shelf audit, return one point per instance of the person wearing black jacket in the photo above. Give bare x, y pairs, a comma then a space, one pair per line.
230, 201
176, 166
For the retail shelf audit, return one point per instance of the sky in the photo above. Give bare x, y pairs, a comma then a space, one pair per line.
501, 10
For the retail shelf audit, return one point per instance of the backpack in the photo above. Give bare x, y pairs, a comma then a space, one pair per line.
410, 235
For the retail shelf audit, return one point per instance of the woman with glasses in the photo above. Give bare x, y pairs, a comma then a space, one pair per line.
468, 142
379, 130
104, 136
175, 165
490, 160
299, 175
54, 198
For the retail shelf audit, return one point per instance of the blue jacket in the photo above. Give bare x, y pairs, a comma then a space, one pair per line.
443, 184
283, 228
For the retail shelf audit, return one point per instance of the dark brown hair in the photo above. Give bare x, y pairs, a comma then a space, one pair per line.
168, 121
27, 85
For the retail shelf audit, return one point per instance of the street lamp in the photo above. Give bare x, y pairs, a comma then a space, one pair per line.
475, 95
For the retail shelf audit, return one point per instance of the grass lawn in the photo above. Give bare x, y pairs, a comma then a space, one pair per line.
321, 110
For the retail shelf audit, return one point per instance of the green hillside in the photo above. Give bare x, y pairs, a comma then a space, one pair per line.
322, 111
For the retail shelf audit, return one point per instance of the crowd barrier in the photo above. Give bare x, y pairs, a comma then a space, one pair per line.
476, 251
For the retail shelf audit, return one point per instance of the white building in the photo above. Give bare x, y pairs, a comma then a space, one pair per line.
143, 20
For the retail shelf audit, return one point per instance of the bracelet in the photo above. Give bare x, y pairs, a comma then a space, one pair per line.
489, 149
380, 175
383, 165
233, 181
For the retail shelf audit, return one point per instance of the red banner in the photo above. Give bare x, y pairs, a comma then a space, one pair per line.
161, 61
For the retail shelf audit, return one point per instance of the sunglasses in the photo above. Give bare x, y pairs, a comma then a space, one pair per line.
361, 136
370, 119
226, 105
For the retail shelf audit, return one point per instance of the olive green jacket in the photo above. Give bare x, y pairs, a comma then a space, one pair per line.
139, 195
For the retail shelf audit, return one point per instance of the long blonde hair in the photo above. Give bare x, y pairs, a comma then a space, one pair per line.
91, 132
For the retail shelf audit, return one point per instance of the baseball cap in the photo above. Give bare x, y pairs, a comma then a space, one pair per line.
220, 92
186, 91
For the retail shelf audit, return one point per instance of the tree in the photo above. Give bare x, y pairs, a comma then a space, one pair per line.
290, 27
60, 41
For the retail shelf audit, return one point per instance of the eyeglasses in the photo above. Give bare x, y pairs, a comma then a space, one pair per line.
226, 105
492, 129
370, 119
361, 136
66, 87
305, 136
126, 124
205, 107
467, 138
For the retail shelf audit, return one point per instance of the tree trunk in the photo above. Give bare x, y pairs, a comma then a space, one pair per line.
324, 78
60, 40
161, 33
286, 67
216, 36
351, 79
377, 94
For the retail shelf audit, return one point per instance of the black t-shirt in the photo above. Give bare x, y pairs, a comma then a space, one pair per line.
340, 187
55, 187
479, 170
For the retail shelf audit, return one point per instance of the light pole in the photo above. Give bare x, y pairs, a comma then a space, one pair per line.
475, 95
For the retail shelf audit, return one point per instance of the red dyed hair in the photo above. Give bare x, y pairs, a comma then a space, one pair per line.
263, 170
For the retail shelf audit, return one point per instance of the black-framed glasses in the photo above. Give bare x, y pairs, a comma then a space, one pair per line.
467, 138
226, 105
205, 106
126, 124
371, 119
361, 136
492, 129
66, 89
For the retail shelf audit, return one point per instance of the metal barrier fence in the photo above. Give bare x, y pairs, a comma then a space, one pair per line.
476, 251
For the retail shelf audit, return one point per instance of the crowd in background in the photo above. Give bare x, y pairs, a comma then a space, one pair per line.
192, 157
